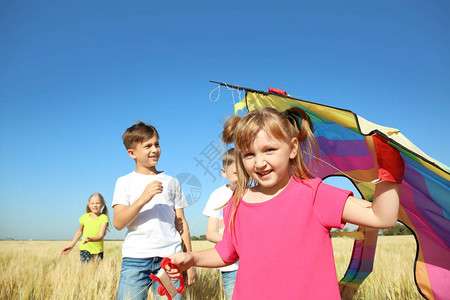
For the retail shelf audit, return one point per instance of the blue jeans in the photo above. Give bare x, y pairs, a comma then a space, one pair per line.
228, 279
135, 279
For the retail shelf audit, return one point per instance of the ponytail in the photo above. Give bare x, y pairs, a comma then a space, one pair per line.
229, 129
105, 212
301, 122
303, 128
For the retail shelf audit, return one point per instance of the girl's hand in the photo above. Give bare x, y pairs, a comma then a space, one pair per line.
183, 261
86, 240
66, 250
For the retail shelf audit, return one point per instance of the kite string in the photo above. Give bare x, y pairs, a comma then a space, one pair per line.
220, 148
232, 93
191, 226
229, 88
218, 94
375, 181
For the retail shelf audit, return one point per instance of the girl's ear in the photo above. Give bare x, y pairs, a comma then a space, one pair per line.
294, 148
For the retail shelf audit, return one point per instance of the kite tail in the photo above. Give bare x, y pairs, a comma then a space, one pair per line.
361, 262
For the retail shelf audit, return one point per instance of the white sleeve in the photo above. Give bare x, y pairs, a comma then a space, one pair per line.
121, 195
178, 195
211, 208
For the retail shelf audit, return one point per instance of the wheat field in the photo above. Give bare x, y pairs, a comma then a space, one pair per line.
36, 270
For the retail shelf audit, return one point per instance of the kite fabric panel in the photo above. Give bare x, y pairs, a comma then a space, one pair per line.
424, 192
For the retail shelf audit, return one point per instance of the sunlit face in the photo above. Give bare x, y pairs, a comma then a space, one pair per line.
95, 204
231, 174
267, 161
146, 155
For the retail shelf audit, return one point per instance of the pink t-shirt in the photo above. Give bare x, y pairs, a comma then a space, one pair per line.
283, 244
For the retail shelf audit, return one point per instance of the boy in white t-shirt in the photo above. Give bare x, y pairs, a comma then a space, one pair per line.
214, 212
150, 204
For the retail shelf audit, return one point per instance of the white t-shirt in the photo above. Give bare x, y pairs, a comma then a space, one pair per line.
152, 233
218, 199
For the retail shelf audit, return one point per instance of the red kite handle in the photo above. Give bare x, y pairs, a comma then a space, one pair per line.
166, 262
162, 289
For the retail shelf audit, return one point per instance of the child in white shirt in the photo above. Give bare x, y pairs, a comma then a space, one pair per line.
213, 210
149, 203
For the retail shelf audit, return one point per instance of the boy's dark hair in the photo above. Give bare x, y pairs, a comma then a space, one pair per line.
228, 158
138, 133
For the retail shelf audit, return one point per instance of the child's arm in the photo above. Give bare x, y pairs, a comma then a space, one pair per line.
75, 239
212, 233
183, 228
209, 258
100, 235
124, 215
381, 213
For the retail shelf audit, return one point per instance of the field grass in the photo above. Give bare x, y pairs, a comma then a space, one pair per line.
35, 270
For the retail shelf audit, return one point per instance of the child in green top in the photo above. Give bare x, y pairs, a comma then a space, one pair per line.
93, 225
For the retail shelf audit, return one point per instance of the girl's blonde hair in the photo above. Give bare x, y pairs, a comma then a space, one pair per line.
282, 126
102, 201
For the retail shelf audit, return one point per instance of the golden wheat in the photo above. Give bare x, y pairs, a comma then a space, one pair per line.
36, 270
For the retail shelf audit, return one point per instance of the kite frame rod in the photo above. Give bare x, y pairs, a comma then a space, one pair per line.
240, 87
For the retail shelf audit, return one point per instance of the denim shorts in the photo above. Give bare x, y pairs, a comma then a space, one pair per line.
86, 256
229, 279
135, 279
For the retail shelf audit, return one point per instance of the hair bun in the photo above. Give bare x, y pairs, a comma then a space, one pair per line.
229, 129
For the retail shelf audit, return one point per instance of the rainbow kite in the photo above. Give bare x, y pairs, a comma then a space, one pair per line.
424, 193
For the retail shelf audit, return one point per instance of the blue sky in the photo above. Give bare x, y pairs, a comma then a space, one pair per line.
75, 74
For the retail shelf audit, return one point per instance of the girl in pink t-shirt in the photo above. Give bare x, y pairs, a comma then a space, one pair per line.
279, 219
